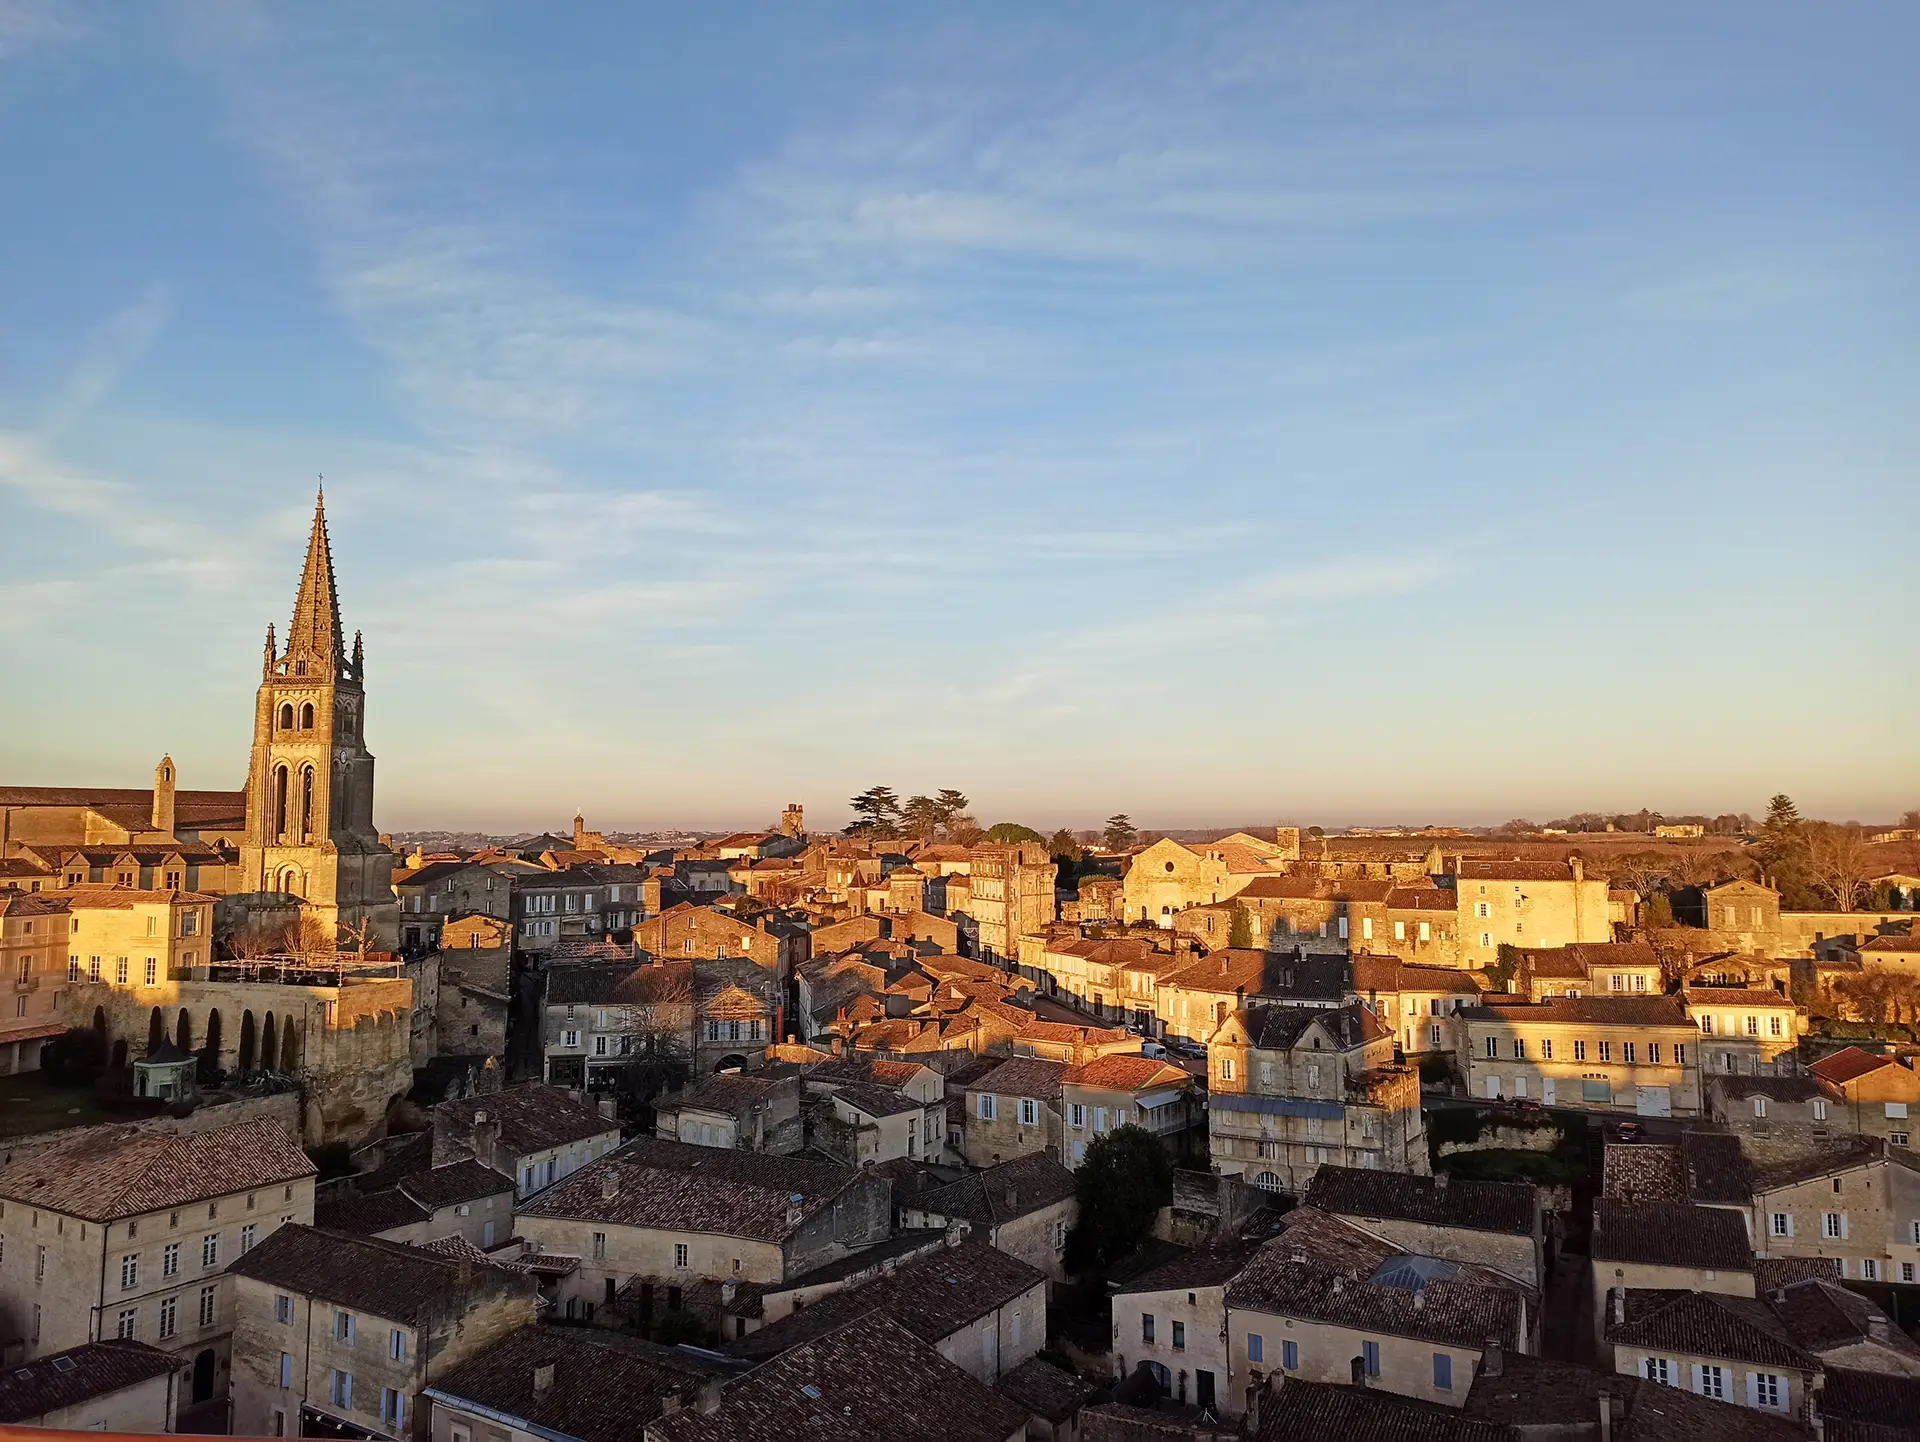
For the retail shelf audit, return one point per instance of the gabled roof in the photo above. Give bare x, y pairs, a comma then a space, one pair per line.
1000, 1193
385, 1279
1044, 1390
1849, 1064
1122, 1072
1023, 1076
1302, 1409
1742, 1329
1439, 1201
532, 1118
112, 1172
1277, 1028
29, 1390
1628, 1010
1190, 1268
1670, 1234
1845, 1154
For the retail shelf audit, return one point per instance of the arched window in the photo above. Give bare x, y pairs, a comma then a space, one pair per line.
1267, 1182
306, 717
286, 717
269, 1043
279, 801
247, 1036
183, 1031
306, 803
288, 1055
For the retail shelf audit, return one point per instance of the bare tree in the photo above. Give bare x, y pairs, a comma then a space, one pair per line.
308, 938
1837, 861
357, 935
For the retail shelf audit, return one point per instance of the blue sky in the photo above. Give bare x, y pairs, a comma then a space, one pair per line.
1332, 413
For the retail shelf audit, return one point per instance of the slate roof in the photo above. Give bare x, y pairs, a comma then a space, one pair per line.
30, 1390
532, 1118
932, 1296
1303, 1409
606, 1387
1276, 1028
384, 1279
1000, 1193
696, 1189
872, 1378
112, 1172
1044, 1390
1318, 1269
1742, 1329
1670, 1234
1435, 1201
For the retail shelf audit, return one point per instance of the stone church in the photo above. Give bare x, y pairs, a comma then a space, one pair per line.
298, 842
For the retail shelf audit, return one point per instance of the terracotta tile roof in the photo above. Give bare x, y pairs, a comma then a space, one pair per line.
1324, 1269
31, 1389
605, 1386
1821, 1315
1303, 1409
1845, 1154
1515, 871
1024, 1076
620, 983
1533, 1394
1770, 1273
1742, 1329
1373, 973
1718, 1172
668, 1185
1189, 1268
1044, 1390
1670, 1234
876, 1100
1778, 1088
1435, 1201
1125, 1073
532, 1118
932, 1296
111, 1172
1708, 996
465, 1181
1646, 1010
385, 1279
123, 898
1000, 1193
1422, 898
1849, 1064
872, 1378
1873, 1398
370, 1215
733, 1092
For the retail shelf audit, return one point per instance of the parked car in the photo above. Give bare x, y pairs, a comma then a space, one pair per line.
1628, 1132
1152, 1048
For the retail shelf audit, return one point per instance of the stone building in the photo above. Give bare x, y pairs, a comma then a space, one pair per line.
468, 1199
33, 967
129, 1234
537, 1135
1879, 1095
1421, 1004
599, 1017
1109, 1092
1172, 1319
1168, 877
587, 902
1667, 1246
1857, 1203
1015, 1110
1602, 968
1526, 903
1024, 1207
1754, 1030
338, 1336
1292, 1087
1011, 895
1634, 1054
734, 1110
1491, 1224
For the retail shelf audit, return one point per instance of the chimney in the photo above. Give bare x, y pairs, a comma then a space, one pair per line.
1619, 1306
1419, 1299
543, 1377
729, 1289
1877, 1330
1579, 868
794, 1211
486, 1136
1606, 1418
709, 1400
1440, 1180
607, 1109
1013, 1198
1493, 1358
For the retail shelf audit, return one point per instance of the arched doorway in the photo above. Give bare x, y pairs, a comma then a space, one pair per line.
156, 1031
203, 1365
731, 1062
248, 1037
100, 1022
269, 1043
210, 1049
289, 1049
119, 1057
183, 1031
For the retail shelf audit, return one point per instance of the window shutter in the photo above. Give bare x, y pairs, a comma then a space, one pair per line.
1699, 1380
1843, 1226
1753, 1390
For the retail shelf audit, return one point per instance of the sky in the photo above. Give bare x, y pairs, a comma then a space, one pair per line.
1351, 413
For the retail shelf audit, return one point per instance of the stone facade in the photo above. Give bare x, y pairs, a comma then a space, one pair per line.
1011, 895
1527, 903
1619, 1054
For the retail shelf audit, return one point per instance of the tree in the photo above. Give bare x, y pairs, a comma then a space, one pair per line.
921, 816
1062, 846
357, 936
1656, 912
875, 809
963, 830
1008, 833
1837, 862
1910, 820
951, 803
1126, 1178
1505, 966
1240, 928
1120, 832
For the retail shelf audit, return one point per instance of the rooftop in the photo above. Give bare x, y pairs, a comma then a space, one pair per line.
1000, 1193
30, 1390
1044, 1390
1436, 1201
532, 1118
113, 1172
1670, 1234
384, 1279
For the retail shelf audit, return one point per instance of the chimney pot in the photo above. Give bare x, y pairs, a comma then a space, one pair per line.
1493, 1358
1440, 1180
543, 1377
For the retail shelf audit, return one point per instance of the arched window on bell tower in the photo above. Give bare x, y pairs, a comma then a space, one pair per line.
306, 803
286, 716
279, 803
306, 717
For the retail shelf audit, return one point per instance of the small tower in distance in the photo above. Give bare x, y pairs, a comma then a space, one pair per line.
163, 786
793, 820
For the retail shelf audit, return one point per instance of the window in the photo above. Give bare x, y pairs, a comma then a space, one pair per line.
1781, 1225
1653, 1053
1486, 938
169, 1316
1773, 1026
571, 1039
393, 1407
1679, 1054
989, 1107
210, 1250
124, 1327
1767, 1391
1079, 1114
1579, 1051
1483, 908
1606, 1051
1146, 1327
1442, 1372
153, 970
1493, 1048
599, 1247
1313, 1074
1256, 1347
1029, 1112
1906, 1271
1616, 982
1433, 1036
680, 1254
286, 1369
1626, 1052
1898, 1139
1896, 1111
1226, 1068
1399, 931
1706, 1026
1546, 1048
1760, 1106
247, 1235
1519, 1049
129, 1272
1753, 1026
1834, 1226
1290, 1356
1819, 1109
1370, 1355
344, 1327
340, 1388
1179, 1336
73, 970
397, 1345
1713, 1381
283, 1310
1657, 1369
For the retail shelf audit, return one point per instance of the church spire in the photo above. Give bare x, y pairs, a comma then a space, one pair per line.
315, 631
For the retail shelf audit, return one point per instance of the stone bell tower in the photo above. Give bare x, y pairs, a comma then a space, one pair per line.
310, 832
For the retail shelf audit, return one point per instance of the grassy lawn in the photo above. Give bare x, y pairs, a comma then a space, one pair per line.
29, 1104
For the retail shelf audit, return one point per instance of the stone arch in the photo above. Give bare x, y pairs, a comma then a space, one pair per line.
118, 1057
269, 1043
100, 1022
210, 1049
731, 1061
279, 802
156, 1031
286, 716
249, 1036
306, 803
306, 716
183, 1031
289, 1047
